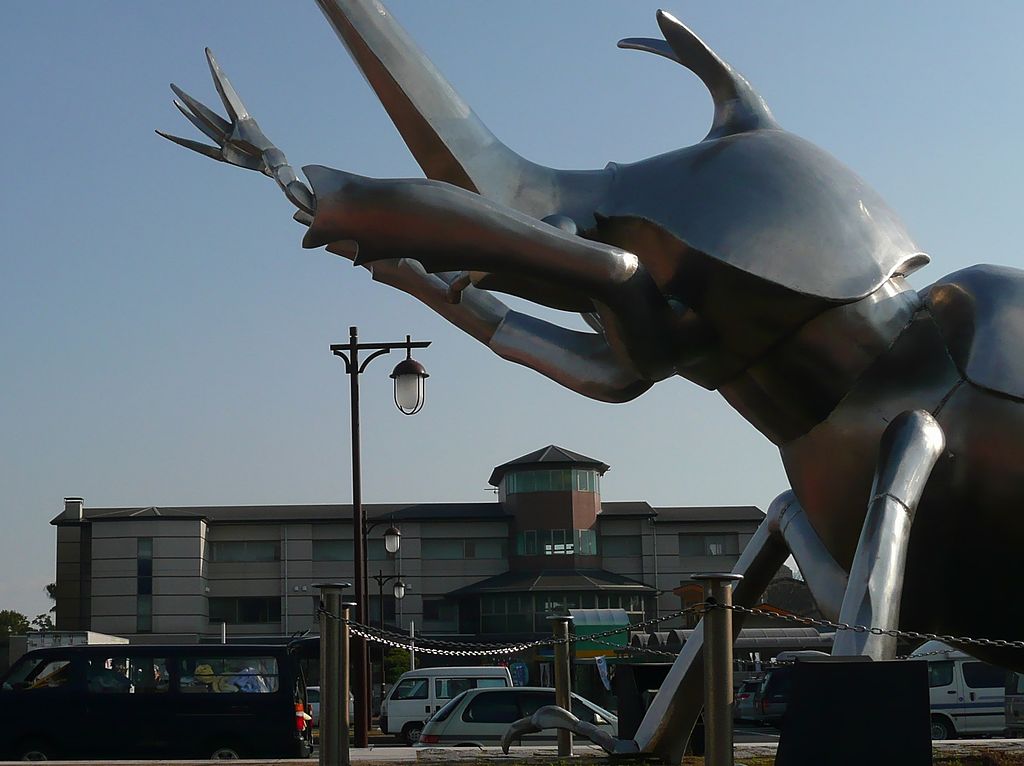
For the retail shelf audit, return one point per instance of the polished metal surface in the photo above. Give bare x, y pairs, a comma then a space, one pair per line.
752, 263
910, 447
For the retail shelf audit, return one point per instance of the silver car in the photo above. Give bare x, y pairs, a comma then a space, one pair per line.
479, 717
744, 707
313, 698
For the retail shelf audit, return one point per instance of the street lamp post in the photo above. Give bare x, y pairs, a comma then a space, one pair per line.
398, 591
409, 390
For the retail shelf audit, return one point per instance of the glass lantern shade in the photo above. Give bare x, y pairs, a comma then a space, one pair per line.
392, 539
410, 377
399, 590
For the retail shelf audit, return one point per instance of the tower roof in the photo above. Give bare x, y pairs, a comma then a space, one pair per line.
550, 457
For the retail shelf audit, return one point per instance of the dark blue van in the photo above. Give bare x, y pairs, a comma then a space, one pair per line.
154, 701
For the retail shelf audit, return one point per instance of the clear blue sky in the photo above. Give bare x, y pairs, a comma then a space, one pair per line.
164, 338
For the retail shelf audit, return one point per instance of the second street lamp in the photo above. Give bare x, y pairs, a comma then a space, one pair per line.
398, 591
407, 379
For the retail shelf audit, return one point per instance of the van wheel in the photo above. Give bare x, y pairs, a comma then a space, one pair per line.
942, 728
225, 754
36, 750
411, 733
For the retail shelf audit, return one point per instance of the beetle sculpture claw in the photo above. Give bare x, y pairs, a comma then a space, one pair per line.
752, 263
554, 717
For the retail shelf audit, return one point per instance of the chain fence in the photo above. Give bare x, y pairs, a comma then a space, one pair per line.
445, 647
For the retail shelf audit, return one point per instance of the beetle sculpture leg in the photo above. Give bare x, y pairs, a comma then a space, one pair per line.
910, 447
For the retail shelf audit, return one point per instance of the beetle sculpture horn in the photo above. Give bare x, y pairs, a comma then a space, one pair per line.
738, 107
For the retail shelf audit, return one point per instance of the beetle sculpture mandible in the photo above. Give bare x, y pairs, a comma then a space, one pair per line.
752, 263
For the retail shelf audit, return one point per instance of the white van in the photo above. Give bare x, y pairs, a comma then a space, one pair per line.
967, 695
421, 693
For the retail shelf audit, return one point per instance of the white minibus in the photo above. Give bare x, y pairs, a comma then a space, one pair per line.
967, 695
421, 693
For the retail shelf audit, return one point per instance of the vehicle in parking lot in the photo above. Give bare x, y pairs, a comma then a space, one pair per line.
744, 708
154, 701
421, 693
313, 700
967, 695
772, 694
479, 717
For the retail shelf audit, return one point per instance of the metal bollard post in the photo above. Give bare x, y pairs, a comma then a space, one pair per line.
346, 689
718, 668
333, 706
563, 692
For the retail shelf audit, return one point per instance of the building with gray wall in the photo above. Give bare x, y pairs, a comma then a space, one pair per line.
472, 570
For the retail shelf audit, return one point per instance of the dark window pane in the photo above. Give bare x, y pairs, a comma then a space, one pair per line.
492, 707
940, 673
531, 702
979, 675
332, 550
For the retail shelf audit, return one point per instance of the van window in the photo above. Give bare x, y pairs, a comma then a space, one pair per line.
446, 688
490, 683
412, 689
492, 707
940, 673
980, 675
39, 674
213, 674
118, 674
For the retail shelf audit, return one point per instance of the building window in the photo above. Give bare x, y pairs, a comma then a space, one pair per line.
709, 545
144, 585
555, 542
521, 482
551, 480
585, 481
440, 615
342, 550
239, 610
506, 614
625, 545
586, 542
470, 548
234, 551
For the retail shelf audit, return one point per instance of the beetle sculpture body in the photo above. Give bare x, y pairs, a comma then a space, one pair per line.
752, 263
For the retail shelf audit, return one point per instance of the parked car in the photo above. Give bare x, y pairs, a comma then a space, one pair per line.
154, 701
479, 717
967, 695
421, 693
744, 708
772, 694
313, 698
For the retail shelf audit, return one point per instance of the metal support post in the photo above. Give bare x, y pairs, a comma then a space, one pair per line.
563, 692
718, 667
345, 660
333, 664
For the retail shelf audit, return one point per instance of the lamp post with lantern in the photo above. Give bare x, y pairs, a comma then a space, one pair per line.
409, 377
398, 591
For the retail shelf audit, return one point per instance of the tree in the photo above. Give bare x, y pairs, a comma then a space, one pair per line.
396, 662
42, 621
13, 623
51, 593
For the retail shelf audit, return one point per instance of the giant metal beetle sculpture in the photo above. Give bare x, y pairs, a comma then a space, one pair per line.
752, 263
